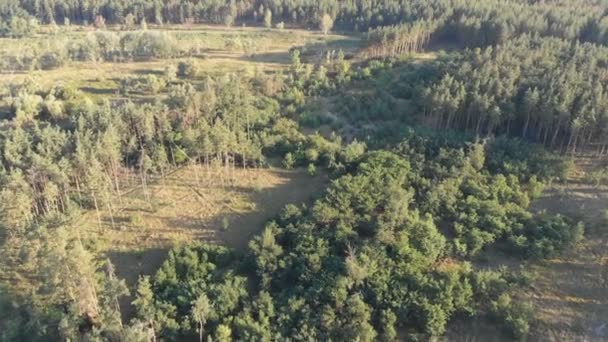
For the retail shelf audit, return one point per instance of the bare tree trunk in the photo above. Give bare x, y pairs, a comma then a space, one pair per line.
116, 183
556, 132
97, 211
526, 123
111, 211
144, 185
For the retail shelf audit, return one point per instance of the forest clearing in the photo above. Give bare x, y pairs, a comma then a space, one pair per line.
193, 203
213, 50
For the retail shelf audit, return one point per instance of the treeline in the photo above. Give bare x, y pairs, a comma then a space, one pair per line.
394, 41
468, 22
542, 89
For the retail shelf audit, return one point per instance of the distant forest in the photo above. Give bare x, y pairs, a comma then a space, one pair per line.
469, 22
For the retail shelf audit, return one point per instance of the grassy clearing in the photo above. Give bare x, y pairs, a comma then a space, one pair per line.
193, 204
217, 50
571, 293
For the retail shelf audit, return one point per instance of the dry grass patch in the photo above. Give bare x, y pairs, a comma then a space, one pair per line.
196, 204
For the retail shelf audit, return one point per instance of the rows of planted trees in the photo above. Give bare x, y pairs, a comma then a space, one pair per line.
398, 40
542, 89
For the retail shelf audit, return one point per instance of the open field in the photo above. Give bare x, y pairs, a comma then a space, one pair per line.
216, 50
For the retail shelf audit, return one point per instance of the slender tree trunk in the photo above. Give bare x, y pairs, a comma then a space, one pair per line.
524, 133
556, 132
116, 183
97, 210
569, 142
151, 322
111, 211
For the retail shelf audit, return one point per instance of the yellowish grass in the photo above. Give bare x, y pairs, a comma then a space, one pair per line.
214, 42
194, 204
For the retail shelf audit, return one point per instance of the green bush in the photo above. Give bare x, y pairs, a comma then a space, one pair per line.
515, 316
187, 69
141, 84
545, 236
289, 161
312, 170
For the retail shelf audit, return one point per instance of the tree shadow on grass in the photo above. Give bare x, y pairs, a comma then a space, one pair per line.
148, 72
130, 266
299, 189
98, 91
277, 57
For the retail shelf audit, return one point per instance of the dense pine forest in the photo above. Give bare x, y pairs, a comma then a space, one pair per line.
435, 128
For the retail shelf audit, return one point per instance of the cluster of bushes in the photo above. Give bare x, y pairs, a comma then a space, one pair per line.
597, 177
187, 69
148, 84
492, 289
482, 199
546, 236
29, 104
96, 46
18, 26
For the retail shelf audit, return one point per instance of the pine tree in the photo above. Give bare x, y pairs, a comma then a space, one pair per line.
268, 18
200, 312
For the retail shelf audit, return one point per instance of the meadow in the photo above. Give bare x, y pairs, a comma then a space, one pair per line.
215, 50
